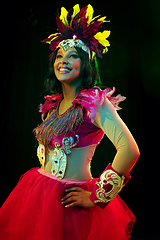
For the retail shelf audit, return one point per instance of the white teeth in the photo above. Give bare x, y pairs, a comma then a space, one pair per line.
64, 69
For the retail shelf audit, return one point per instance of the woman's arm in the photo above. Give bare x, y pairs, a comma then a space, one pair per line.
127, 150
116, 176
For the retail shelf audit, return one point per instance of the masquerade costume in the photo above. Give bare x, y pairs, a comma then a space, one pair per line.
67, 142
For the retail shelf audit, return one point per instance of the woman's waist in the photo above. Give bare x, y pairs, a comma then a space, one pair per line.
66, 180
75, 165
74, 169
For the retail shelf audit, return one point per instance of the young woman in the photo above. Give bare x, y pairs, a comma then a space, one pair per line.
61, 200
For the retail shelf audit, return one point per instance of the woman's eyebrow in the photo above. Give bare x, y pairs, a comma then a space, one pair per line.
73, 52
59, 52
68, 53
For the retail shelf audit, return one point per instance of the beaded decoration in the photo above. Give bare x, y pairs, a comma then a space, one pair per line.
41, 154
59, 156
114, 180
68, 43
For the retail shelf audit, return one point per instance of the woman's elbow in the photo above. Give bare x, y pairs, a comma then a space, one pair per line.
132, 151
135, 153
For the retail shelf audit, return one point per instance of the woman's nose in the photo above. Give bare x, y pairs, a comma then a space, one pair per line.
64, 60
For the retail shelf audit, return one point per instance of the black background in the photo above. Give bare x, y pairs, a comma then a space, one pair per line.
132, 65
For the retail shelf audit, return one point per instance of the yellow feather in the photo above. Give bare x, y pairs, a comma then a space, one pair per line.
76, 10
101, 37
94, 18
103, 19
89, 13
53, 36
105, 50
63, 16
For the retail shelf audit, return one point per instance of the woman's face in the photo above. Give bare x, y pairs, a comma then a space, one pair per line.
67, 65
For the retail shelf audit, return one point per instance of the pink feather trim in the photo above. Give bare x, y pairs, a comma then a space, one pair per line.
90, 99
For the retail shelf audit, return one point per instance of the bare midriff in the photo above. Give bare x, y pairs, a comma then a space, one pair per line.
78, 163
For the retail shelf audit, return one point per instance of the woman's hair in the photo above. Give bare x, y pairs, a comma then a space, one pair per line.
89, 73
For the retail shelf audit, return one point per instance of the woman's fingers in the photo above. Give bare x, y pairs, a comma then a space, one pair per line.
76, 189
72, 192
73, 204
69, 197
77, 197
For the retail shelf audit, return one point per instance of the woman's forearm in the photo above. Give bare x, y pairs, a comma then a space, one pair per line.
125, 159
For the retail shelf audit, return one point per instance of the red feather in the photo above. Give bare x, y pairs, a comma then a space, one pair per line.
69, 15
94, 28
61, 26
82, 13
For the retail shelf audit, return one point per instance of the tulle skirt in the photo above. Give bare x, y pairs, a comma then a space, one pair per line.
33, 211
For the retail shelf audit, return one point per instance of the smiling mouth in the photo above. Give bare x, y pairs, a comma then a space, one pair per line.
64, 70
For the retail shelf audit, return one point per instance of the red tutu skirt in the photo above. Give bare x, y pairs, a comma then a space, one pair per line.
33, 211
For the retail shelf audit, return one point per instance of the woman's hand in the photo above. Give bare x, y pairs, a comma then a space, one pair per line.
77, 197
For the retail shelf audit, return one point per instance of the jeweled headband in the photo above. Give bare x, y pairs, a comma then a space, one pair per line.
68, 43
78, 28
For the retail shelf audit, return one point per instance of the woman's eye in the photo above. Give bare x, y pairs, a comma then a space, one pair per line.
74, 56
59, 56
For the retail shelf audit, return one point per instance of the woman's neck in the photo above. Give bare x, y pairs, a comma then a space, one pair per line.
69, 92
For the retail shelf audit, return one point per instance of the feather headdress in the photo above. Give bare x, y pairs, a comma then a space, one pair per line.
82, 28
